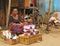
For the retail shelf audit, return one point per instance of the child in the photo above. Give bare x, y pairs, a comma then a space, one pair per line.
26, 17
29, 28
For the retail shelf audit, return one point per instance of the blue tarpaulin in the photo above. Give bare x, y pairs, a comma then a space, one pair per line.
55, 5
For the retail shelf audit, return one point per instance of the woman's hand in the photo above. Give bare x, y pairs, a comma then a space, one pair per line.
19, 25
11, 24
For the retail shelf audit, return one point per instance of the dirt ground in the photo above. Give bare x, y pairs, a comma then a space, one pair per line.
50, 39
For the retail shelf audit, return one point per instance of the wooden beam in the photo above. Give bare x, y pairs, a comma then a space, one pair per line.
48, 15
9, 7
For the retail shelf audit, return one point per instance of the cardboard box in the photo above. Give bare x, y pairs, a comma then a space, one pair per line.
38, 37
27, 3
30, 39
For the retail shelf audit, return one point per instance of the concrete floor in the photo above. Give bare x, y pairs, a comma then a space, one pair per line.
51, 39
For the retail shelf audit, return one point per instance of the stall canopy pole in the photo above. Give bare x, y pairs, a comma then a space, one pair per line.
9, 7
48, 15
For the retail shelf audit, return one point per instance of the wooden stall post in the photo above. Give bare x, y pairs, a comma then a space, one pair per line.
48, 16
9, 7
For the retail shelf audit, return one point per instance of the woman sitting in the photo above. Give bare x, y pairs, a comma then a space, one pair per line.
15, 22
